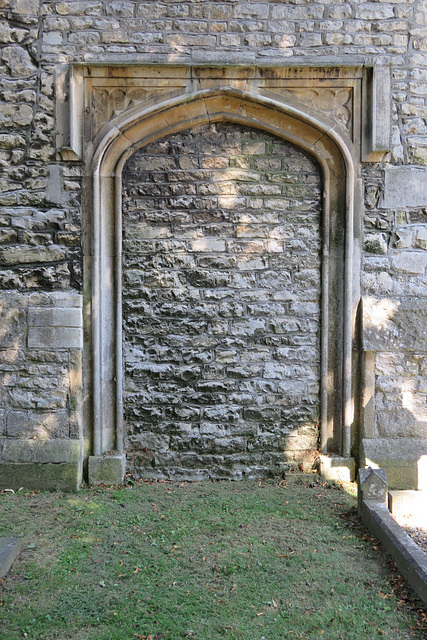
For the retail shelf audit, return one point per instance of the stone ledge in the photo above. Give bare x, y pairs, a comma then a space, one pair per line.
404, 459
9, 549
410, 559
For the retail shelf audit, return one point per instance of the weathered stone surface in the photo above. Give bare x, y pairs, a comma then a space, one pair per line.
45, 477
109, 469
18, 61
371, 485
337, 468
41, 204
391, 324
404, 187
403, 459
195, 329
9, 549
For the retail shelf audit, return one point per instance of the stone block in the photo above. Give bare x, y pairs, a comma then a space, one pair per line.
371, 485
394, 324
406, 503
107, 469
9, 549
55, 337
44, 477
337, 468
40, 451
404, 187
54, 317
403, 459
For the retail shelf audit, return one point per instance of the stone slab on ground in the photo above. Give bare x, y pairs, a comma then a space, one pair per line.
9, 549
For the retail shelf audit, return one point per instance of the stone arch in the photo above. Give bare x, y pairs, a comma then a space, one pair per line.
137, 127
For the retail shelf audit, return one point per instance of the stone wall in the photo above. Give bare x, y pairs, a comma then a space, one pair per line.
221, 242
40, 199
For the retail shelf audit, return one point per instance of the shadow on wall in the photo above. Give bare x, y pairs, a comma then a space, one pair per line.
40, 390
221, 298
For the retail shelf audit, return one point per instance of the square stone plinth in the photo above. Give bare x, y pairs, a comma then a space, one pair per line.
108, 469
337, 468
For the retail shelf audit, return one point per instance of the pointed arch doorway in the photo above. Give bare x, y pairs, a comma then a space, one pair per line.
137, 128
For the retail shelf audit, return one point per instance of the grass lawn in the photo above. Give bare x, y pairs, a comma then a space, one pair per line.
161, 561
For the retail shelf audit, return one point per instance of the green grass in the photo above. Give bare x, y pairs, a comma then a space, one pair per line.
243, 561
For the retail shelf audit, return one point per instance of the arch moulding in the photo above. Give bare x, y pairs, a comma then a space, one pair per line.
318, 112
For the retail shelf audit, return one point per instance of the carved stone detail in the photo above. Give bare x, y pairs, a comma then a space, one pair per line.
335, 103
110, 102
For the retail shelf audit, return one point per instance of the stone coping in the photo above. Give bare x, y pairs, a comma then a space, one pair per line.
410, 559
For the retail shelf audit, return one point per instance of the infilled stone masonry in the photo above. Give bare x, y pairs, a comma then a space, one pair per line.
221, 245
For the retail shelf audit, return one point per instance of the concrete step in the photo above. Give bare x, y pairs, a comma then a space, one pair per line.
9, 549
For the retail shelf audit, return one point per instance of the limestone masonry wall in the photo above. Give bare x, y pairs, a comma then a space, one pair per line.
41, 232
221, 296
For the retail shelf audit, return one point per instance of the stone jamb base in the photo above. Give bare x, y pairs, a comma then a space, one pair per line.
107, 469
337, 468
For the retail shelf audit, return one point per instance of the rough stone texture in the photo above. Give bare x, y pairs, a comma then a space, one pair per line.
40, 381
221, 303
109, 469
40, 196
404, 460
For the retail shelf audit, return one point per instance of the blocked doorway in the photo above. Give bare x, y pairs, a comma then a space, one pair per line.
221, 304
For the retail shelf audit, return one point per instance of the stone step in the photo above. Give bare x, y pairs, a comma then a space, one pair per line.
9, 549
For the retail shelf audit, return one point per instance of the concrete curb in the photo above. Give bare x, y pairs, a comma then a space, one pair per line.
410, 559
9, 549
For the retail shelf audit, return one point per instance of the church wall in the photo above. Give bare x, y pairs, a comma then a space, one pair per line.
41, 200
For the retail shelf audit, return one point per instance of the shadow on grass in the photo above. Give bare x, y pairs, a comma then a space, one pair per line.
247, 560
